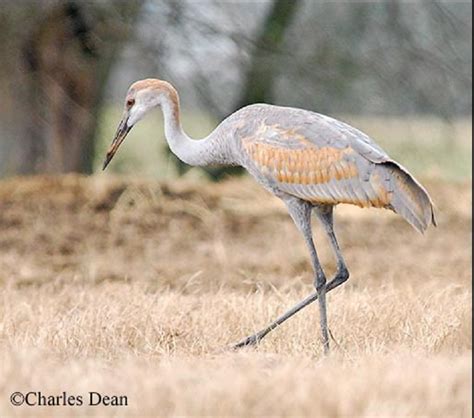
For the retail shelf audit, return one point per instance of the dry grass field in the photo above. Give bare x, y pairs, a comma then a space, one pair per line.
125, 287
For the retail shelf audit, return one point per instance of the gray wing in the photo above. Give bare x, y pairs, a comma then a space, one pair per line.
324, 131
325, 161
315, 157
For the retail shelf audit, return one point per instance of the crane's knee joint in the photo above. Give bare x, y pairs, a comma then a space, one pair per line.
342, 275
320, 281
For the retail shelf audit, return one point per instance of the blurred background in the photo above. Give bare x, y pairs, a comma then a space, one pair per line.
400, 71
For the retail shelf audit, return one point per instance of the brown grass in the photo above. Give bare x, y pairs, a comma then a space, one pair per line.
134, 288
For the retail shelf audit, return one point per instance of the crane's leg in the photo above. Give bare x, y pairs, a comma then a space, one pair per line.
325, 214
300, 212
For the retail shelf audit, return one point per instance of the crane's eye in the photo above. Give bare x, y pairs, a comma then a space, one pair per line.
130, 102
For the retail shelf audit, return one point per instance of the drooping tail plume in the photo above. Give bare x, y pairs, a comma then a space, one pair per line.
409, 197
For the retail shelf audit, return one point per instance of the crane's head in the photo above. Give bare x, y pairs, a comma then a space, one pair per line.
142, 96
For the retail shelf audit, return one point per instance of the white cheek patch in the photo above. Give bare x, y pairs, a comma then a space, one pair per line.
136, 114
144, 102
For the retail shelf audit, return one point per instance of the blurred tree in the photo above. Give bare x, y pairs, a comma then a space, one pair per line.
67, 51
383, 58
388, 57
258, 86
259, 80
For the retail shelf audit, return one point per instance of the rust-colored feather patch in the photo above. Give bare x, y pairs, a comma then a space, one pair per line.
383, 195
329, 174
302, 166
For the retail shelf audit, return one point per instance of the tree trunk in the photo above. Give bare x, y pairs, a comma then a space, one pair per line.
68, 56
258, 85
260, 78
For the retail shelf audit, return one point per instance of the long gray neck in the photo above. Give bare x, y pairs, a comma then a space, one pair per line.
193, 152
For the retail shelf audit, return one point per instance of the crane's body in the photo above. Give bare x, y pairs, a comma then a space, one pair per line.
318, 159
310, 161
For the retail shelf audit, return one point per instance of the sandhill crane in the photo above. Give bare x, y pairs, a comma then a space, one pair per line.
310, 161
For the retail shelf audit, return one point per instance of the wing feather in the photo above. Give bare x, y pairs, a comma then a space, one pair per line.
323, 160
321, 175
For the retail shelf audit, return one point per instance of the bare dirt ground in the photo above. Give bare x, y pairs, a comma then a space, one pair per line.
135, 288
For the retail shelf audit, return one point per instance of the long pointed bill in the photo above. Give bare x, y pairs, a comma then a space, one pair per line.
120, 135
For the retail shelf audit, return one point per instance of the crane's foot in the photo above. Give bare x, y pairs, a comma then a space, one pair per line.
250, 341
254, 339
